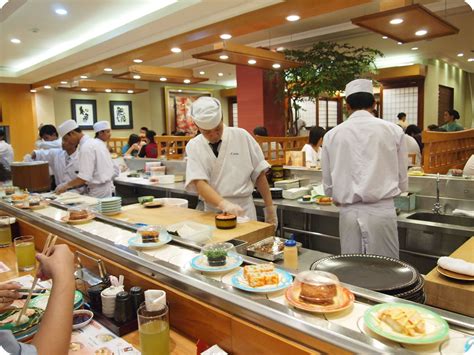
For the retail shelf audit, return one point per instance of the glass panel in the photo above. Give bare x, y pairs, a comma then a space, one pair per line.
400, 100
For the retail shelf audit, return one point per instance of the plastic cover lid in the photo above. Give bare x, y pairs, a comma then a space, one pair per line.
317, 278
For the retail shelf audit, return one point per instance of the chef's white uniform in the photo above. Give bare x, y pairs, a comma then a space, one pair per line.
365, 167
96, 167
64, 166
312, 156
233, 173
42, 144
6, 154
413, 148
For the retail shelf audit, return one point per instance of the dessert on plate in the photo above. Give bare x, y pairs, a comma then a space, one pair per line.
261, 275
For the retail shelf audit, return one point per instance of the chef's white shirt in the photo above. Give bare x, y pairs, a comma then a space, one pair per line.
42, 144
469, 167
312, 156
413, 148
95, 163
364, 160
234, 172
65, 167
6, 154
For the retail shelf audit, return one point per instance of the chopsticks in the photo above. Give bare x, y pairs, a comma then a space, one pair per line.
47, 250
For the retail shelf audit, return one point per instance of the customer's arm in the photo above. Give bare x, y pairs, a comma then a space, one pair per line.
57, 319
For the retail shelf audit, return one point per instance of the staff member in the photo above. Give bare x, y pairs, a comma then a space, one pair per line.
103, 133
224, 164
6, 151
96, 168
365, 167
49, 138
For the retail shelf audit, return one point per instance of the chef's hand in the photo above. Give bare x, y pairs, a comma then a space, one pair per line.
271, 215
61, 188
8, 294
231, 208
59, 266
29, 157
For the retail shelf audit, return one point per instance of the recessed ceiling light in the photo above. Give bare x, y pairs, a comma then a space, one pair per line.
421, 32
15, 40
399, 43
186, 81
396, 21
83, 76
61, 12
163, 79
176, 50
470, 60
202, 72
137, 77
32, 90
280, 49
460, 54
130, 91
223, 57
292, 18
384, 37
276, 66
64, 82
84, 89
47, 86
138, 61
108, 69
108, 90
225, 36
220, 74
179, 90
414, 48
252, 61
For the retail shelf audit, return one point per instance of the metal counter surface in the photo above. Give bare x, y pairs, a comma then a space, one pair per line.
170, 265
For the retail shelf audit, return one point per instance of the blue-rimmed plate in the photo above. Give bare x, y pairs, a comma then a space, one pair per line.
239, 281
199, 262
136, 241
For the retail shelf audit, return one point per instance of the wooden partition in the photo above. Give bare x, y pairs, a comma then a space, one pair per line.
446, 150
173, 147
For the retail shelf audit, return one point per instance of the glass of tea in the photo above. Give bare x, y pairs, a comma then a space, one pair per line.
5, 232
25, 252
154, 330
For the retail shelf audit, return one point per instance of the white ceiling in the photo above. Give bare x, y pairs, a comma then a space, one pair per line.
86, 16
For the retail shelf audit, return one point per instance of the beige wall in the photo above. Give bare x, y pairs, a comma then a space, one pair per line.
442, 73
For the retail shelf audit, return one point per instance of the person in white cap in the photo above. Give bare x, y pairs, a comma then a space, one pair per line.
103, 133
96, 169
365, 167
225, 163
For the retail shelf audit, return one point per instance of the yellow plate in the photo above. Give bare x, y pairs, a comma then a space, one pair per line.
454, 275
342, 301
77, 221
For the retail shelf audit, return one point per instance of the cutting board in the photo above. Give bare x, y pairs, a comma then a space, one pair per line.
456, 296
252, 231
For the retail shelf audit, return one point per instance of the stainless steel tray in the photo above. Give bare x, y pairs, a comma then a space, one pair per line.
274, 255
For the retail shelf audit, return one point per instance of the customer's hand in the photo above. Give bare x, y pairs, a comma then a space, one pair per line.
271, 216
8, 294
229, 207
58, 266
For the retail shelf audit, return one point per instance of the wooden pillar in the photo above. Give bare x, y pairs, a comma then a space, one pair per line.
392, 4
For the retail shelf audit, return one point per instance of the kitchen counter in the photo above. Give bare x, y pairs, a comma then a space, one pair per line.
456, 296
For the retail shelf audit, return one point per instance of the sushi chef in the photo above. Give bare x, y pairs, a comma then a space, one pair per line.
225, 163
96, 168
365, 167
103, 133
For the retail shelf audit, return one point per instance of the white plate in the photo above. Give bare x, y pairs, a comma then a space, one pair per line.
136, 242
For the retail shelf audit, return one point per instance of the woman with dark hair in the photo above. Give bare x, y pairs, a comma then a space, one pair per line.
313, 148
132, 148
150, 150
414, 145
450, 124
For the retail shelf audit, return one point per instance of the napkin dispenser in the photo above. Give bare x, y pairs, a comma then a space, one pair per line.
406, 202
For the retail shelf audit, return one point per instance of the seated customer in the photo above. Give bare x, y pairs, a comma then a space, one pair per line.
150, 149
450, 124
54, 334
415, 132
132, 148
313, 148
261, 131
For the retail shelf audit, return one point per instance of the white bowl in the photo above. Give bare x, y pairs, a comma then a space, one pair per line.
89, 314
170, 201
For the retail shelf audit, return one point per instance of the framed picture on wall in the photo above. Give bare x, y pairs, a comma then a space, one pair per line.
84, 112
121, 116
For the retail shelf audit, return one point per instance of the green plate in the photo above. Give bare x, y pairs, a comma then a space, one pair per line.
437, 329
32, 321
41, 301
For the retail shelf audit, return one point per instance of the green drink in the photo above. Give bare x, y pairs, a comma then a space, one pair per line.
153, 327
5, 236
25, 253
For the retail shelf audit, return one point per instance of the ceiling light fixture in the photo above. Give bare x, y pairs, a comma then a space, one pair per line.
460, 54
396, 21
292, 18
252, 61
225, 36
108, 90
421, 33
276, 66
84, 89
186, 81
163, 79
47, 86
15, 41
384, 37
61, 12
414, 48
130, 91
202, 72
176, 50
220, 74
470, 3
83, 76
470, 60
64, 82
280, 49
108, 69
399, 43
224, 57
32, 90
138, 61
136, 77
160, 74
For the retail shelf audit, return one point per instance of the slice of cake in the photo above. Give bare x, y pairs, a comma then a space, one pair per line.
258, 279
260, 268
150, 236
318, 294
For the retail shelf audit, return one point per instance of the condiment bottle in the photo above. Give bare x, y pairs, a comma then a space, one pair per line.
290, 254
123, 307
138, 297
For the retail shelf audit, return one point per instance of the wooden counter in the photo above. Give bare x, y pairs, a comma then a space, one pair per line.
446, 293
179, 344
252, 231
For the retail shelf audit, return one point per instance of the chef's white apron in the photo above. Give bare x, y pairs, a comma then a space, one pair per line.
101, 190
369, 229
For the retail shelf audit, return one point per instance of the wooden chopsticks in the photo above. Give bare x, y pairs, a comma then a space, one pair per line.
47, 250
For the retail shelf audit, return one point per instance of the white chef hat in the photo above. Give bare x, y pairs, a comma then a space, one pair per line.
359, 85
67, 127
101, 126
206, 112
